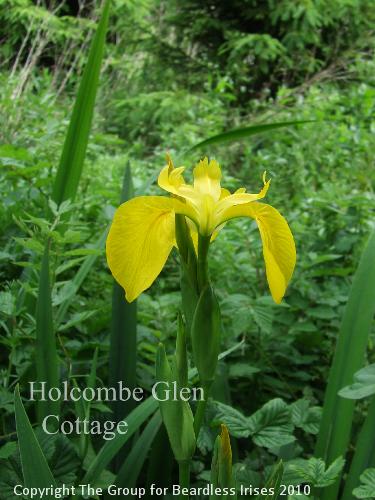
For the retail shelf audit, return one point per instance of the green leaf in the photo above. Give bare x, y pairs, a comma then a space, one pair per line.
10, 475
363, 386
236, 422
314, 472
306, 417
273, 482
35, 469
238, 370
60, 455
135, 419
8, 449
242, 133
367, 488
205, 335
271, 426
176, 414
364, 454
335, 429
129, 472
74, 151
47, 362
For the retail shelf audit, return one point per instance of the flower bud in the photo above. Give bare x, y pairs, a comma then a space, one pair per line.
177, 416
221, 467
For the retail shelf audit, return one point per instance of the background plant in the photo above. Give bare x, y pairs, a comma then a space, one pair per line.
172, 76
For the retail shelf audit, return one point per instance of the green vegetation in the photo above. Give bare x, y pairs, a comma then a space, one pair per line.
174, 74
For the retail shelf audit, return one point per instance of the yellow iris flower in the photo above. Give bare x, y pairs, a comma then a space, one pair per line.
142, 233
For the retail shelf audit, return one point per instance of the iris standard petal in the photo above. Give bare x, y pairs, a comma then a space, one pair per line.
279, 250
140, 239
171, 179
207, 176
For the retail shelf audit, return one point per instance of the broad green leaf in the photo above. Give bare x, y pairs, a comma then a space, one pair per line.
35, 469
129, 472
134, 420
364, 454
236, 422
367, 488
74, 150
243, 132
363, 386
335, 429
314, 471
271, 426
306, 417
176, 414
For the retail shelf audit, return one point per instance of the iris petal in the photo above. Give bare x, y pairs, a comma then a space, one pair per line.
207, 176
140, 239
240, 197
279, 249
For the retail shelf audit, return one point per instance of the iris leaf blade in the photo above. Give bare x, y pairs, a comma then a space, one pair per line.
35, 469
244, 132
73, 155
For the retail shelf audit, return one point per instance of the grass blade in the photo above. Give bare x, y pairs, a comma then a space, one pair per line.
136, 418
335, 429
35, 469
75, 145
129, 472
47, 362
364, 456
243, 132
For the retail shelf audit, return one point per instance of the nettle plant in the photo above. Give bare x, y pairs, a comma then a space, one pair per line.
143, 232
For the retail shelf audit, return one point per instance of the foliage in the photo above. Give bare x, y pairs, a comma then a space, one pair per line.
176, 73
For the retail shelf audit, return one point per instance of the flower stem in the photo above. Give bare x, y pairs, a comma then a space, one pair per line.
202, 268
201, 408
184, 475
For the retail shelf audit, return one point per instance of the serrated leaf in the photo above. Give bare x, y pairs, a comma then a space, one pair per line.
10, 475
315, 473
367, 488
236, 422
305, 417
271, 426
7, 303
363, 386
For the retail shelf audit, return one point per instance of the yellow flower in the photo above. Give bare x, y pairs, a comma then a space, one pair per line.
142, 234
